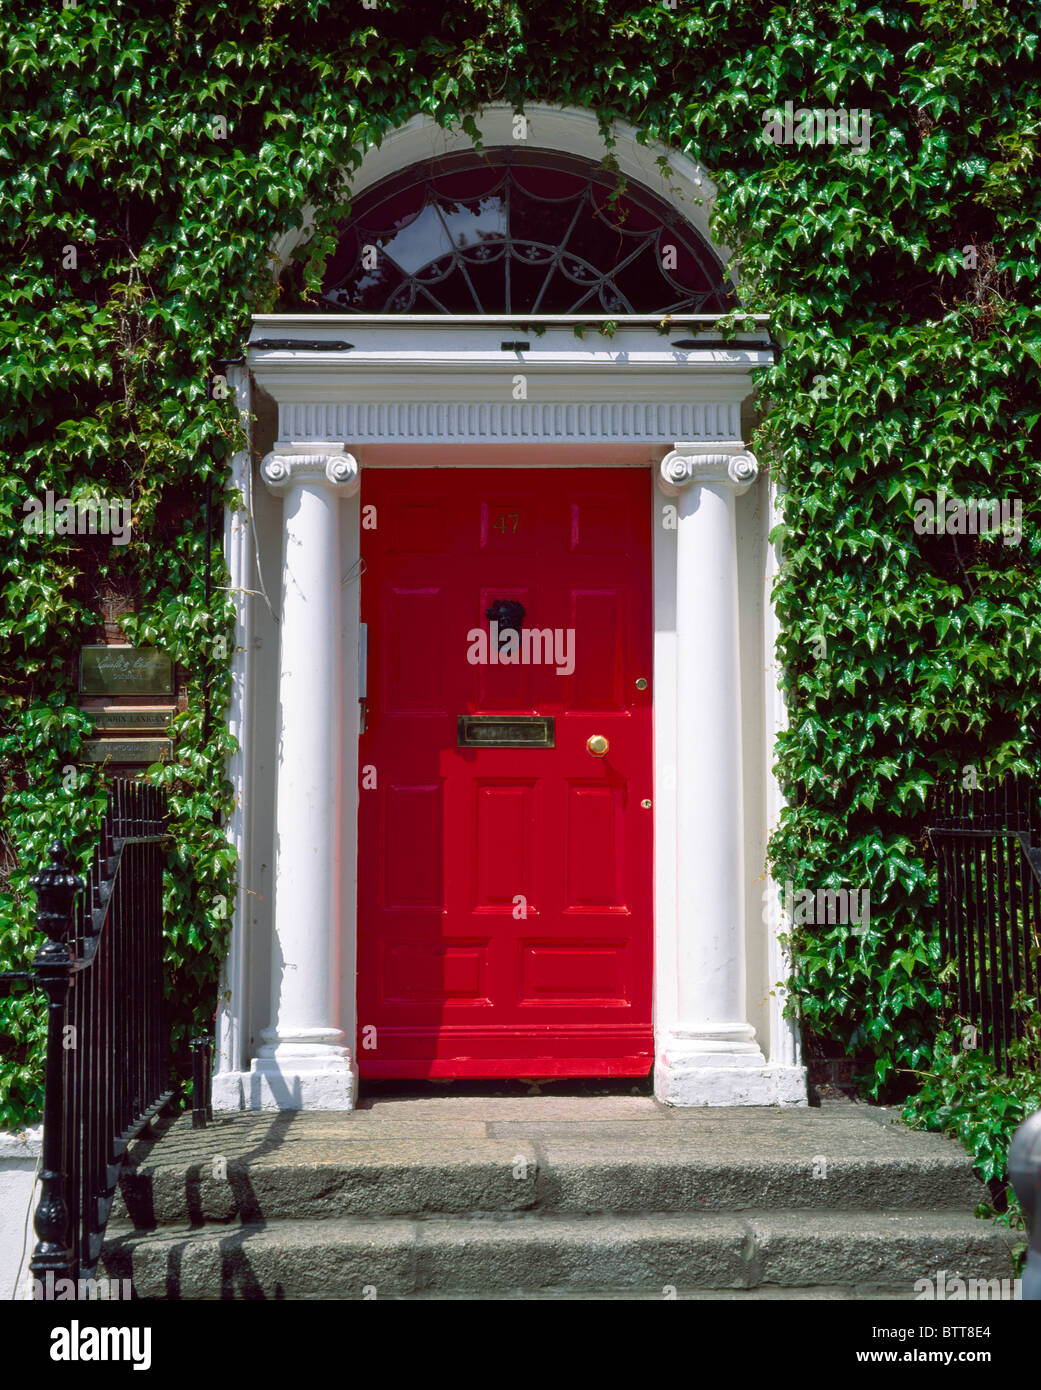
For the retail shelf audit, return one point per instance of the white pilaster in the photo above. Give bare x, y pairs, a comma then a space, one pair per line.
305, 1062
231, 1050
709, 1055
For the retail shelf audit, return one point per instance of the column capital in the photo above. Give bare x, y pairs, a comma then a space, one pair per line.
322, 465
689, 464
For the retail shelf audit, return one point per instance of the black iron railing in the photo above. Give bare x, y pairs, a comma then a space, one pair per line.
107, 1043
987, 843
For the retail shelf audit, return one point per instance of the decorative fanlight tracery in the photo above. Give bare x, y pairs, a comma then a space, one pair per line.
519, 232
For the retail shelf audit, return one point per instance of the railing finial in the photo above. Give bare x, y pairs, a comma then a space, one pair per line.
56, 887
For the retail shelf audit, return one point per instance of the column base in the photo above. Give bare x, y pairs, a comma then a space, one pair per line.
686, 1077
321, 1082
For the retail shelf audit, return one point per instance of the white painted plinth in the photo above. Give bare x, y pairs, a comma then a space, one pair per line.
677, 1082
301, 1083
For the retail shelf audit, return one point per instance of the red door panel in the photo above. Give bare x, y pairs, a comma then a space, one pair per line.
504, 898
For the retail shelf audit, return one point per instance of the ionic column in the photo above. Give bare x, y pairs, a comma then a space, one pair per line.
699, 1058
304, 1064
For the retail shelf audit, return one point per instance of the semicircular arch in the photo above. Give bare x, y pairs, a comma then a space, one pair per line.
562, 137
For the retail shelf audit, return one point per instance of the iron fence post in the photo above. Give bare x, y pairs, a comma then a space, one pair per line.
56, 887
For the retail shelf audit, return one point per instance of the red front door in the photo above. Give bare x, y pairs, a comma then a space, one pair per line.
504, 901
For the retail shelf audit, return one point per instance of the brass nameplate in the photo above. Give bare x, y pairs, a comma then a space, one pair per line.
126, 718
125, 671
126, 750
516, 731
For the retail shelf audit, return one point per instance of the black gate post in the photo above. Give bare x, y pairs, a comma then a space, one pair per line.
56, 888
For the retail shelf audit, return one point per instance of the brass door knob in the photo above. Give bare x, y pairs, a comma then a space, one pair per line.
597, 745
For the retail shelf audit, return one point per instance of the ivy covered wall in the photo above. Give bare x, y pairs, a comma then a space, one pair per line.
156, 150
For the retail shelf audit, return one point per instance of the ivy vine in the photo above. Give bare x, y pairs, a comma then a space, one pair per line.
159, 150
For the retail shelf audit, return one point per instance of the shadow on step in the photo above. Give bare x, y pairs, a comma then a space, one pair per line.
136, 1184
237, 1279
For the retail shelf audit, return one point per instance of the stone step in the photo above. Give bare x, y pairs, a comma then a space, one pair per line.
309, 1166
546, 1255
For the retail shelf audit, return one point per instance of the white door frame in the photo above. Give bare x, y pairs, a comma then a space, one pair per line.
419, 390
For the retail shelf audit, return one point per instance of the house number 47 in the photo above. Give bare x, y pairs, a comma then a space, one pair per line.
500, 524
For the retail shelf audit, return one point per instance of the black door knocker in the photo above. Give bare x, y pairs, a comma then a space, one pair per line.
508, 615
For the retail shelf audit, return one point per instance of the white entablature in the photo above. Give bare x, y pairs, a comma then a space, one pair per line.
431, 379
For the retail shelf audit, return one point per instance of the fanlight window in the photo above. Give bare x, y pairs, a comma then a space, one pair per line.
525, 232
